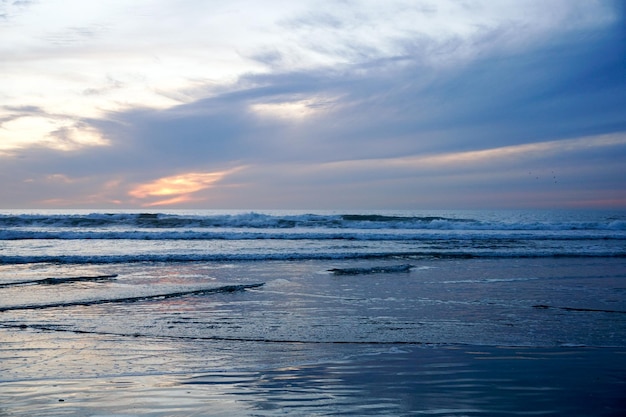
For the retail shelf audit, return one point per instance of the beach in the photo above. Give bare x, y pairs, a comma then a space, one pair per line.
471, 318
313, 208
450, 381
313, 343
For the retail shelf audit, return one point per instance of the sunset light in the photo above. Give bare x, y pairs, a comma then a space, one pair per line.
291, 110
424, 98
55, 133
178, 188
312, 207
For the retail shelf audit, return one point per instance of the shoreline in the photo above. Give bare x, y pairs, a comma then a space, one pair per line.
471, 340
351, 380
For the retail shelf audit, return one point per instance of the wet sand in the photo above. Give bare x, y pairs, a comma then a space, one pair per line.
448, 338
67, 374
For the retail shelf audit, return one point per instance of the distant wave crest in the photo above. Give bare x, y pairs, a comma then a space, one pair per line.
255, 220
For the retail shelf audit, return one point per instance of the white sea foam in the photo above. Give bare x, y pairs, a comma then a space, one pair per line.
255, 220
279, 283
181, 236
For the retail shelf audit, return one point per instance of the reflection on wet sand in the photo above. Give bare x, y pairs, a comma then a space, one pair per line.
162, 379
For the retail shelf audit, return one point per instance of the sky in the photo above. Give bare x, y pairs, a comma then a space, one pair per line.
312, 104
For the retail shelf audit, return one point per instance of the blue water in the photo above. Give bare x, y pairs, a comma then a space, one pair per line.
105, 237
325, 313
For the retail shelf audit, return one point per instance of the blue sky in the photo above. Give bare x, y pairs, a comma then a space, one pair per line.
312, 104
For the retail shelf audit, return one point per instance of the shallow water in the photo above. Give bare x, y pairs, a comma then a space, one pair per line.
447, 337
387, 380
500, 302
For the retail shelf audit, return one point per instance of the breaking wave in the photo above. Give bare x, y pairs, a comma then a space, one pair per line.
255, 220
134, 299
182, 236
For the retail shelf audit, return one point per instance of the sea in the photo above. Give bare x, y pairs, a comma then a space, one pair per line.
284, 312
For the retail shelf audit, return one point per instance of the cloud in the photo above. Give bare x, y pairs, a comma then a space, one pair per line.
362, 104
176, 189
546, 93
9, 9
568, 173
516, 156
40, 129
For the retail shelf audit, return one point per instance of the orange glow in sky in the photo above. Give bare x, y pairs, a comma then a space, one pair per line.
178, 188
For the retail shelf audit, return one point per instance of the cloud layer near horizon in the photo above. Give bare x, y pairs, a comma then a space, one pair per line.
352, 104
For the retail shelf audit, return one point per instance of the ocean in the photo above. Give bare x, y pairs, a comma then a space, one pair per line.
263, 313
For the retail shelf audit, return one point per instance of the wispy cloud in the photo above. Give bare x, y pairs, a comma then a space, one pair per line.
19, 132
331, 103
176, 189
517, 160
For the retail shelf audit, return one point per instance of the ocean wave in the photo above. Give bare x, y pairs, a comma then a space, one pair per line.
364, 235
134, 299
229, 257
385, 269
58, 281
254, 220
